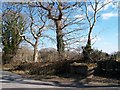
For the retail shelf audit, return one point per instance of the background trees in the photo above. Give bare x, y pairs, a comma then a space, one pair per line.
67, 19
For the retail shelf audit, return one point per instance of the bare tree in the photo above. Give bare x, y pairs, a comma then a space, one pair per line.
91, 16
92, 11
61, 14
36, 23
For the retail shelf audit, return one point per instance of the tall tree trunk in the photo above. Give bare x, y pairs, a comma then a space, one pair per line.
35, 54
88, 45
59, 37
89, 40
87, 49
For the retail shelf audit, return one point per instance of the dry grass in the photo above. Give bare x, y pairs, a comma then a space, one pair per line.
7, 67
20, 72
89, 65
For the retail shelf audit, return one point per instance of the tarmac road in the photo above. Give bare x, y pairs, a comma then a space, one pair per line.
9, 80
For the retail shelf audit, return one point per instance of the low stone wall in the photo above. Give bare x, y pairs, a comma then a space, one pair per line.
79, 69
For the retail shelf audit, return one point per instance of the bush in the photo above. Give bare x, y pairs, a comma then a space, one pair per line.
94, 56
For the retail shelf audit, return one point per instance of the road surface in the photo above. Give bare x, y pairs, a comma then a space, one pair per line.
11, 80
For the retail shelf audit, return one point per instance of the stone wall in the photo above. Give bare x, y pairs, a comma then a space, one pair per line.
79, 69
